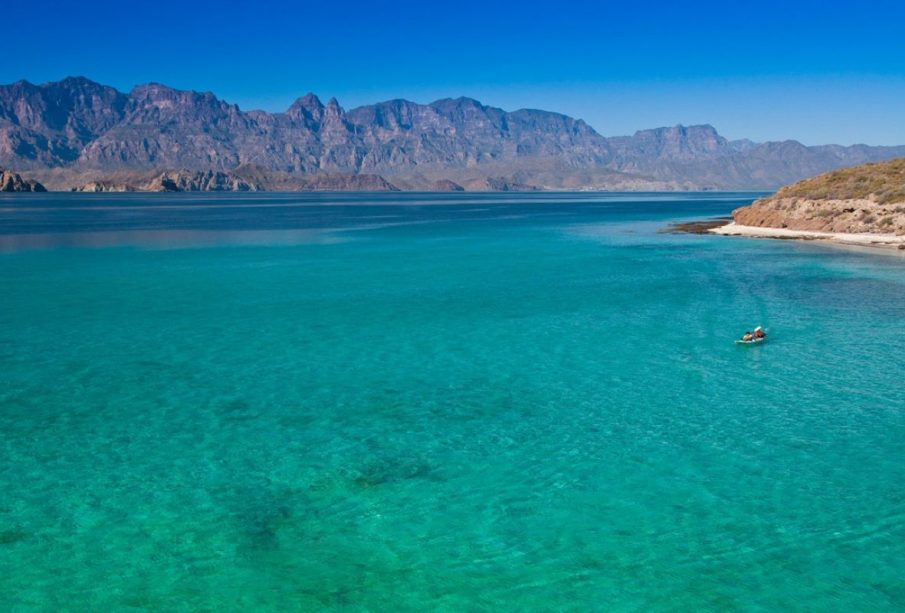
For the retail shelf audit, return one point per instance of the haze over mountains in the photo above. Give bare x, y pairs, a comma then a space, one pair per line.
74, 131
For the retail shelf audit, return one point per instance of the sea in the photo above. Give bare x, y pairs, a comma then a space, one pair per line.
442, 402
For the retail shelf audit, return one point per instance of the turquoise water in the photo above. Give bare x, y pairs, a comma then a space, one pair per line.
470, 402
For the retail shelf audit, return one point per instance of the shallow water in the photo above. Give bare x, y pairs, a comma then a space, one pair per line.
447, 402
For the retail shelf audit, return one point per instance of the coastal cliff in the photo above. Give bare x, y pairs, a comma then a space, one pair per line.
863, 199
176, 181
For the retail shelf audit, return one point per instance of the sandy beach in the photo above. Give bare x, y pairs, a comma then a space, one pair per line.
870, 240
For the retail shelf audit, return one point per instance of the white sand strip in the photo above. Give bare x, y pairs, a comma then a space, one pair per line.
865, 240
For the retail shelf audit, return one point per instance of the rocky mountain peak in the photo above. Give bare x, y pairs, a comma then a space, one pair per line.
461, 108
396, 114
76, 82
460, 102
680, 142
309, 102
333, 108
164, 97
55, 120
334, 126
152, 91
307, 110
160, 105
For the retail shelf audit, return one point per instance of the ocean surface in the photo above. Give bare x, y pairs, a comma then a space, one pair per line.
412, 402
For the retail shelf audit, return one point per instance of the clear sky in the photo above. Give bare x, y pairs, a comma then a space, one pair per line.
818, 72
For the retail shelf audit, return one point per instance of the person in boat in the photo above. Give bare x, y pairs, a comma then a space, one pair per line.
759, 332
747, 336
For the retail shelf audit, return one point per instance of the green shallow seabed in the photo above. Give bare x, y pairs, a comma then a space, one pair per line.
536, 405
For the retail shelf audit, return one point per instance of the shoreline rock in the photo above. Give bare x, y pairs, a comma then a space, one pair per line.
174, 181
696, 227
866, 199
13, 182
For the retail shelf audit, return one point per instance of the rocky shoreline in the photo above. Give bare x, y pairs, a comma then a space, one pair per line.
696, 227
861, 206
12, 182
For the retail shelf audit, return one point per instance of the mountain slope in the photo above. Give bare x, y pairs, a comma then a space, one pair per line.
698, 154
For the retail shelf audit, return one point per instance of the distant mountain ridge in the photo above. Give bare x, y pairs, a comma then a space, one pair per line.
76, 128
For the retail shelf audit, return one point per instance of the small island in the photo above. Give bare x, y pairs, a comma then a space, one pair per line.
13, 182
862, 205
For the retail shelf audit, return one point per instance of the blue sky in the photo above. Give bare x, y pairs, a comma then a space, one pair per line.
818, 72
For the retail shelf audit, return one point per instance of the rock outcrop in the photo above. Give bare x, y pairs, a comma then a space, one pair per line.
245, 179
105, 186
864, 199
175, 181
502, 184
208, 181
12, 182
92, 130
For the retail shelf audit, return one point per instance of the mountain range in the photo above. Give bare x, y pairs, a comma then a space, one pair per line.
75, 131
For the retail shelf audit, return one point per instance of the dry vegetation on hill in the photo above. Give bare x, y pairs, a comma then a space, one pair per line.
863, 199
881, 182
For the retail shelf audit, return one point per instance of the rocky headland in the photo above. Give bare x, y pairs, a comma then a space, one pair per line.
173, 181
864, 204
12, 182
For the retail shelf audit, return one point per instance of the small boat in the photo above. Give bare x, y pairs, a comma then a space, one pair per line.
753, 341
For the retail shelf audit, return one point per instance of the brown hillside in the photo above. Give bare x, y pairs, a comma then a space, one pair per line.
863, 199
882, 182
